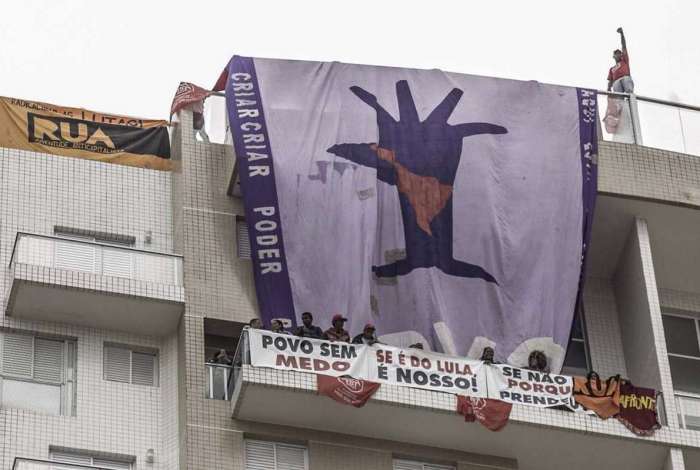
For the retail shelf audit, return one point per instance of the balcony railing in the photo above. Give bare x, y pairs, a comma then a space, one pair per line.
97, 258
635, 119
219, 381
33, 464
240, 358
688, 406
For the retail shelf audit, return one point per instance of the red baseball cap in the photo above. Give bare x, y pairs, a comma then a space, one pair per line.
337, 317
370, 326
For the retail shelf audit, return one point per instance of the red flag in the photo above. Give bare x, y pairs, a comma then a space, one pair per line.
346, 390
220, 84
187, 93
493, 414
638, 409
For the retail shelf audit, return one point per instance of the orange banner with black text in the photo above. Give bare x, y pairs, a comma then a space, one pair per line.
80, 133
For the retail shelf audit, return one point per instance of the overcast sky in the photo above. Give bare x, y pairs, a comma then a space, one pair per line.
128, 56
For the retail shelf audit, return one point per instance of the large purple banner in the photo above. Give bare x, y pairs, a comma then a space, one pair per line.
446, 209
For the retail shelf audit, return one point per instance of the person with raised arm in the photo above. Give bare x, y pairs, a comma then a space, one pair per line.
619, 78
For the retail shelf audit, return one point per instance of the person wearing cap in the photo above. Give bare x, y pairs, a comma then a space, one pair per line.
308, 329
367, 336
337, 332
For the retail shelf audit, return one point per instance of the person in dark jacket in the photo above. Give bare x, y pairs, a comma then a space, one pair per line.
537, 361
487, 355
276, 326
308, 329
367, 336
222, 357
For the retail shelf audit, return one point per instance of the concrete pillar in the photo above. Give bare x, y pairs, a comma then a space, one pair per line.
674, 460
640, 319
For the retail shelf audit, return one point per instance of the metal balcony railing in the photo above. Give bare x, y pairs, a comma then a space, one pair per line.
96, 258
688, 406
641, 120
34, 464
219, 381
240, 358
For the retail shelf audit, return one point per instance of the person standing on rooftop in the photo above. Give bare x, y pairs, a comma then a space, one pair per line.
619, 78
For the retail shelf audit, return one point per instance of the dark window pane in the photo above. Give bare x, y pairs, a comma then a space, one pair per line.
685, 374
681, 337
575, 355
577, 327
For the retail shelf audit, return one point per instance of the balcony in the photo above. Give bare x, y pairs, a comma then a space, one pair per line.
427, 418
95, 285
651, 122
688, 406
32, 464
219, 381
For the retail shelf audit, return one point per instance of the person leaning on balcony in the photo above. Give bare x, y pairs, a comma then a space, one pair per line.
487, 355
337, 332
619, 78
308, 329
367, 336
222, 358
537, 361
276, 326
197, 109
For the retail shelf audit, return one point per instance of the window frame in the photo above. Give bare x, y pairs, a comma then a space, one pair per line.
696, 321
423, 464
571, 370
275, 444
98, 247
242, 231
69, 373
92, 456
133, 349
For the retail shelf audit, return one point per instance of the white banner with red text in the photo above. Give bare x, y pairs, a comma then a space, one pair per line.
287, 352
411, 368
532, 388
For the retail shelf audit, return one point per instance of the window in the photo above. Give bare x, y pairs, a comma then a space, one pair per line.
264, 455
82, 253
242, 239
104, 237
683, 346
129, 364
413, 465
576, 361
88, 459
38, 373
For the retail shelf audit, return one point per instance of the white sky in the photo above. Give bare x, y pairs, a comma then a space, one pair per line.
127, 57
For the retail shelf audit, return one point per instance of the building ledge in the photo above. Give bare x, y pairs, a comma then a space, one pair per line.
95, 285
428, 418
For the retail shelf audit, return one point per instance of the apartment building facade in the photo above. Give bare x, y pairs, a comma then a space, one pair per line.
119, 283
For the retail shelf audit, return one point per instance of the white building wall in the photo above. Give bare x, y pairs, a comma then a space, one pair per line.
188, 211
40, 191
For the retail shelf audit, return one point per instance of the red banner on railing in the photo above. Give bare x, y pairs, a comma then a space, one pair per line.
493, 414
346, 390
